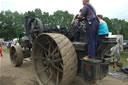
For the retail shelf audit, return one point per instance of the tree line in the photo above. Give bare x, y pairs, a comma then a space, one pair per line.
12, 23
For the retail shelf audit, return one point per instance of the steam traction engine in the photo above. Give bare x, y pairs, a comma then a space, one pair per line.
57, 54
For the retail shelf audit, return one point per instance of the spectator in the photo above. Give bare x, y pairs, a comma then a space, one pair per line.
1, 52
103, 28
9, 44
1, 44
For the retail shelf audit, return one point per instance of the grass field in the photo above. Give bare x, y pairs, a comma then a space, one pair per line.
124, 58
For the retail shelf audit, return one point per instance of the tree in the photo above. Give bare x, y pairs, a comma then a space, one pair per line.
62, 18
109, 23
12, 23
124, 30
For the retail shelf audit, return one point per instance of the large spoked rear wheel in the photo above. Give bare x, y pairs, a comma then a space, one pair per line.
54, 59
16, 55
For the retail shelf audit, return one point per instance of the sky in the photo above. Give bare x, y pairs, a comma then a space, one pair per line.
108, 8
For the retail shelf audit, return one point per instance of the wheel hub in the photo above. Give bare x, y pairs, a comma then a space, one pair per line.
48, 62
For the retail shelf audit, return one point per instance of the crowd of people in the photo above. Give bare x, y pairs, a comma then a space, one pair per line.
3, 43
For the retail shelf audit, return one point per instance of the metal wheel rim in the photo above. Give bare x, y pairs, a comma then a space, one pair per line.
52, 65
13, 55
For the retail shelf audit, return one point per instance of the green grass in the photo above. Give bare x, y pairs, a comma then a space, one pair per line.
124, 57
5, 49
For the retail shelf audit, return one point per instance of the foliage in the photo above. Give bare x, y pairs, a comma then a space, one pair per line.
123, 60
12, 23
117, 27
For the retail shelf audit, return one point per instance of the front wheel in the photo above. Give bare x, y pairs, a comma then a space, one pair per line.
54, 59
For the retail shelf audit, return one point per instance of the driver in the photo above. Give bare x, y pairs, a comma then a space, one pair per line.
92, 24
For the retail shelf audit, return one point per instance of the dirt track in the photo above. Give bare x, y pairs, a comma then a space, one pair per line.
24, 75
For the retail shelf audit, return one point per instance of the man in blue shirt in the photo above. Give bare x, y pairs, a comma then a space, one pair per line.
92, 23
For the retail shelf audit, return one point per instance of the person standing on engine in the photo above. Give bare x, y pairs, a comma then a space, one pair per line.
92, 24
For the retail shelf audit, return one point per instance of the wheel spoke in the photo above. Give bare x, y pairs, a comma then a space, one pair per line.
54, 51
44, 49
56, 55
36, 22
61, 65
51, 73
57, 78
44, 69
39, 58
57, 68
46, 55
58, 60
32, 27
36, 26
35, 30
49, 51
50, 43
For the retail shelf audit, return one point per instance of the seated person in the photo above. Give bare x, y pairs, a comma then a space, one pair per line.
103, 28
